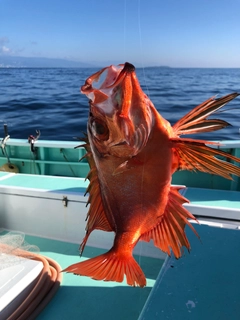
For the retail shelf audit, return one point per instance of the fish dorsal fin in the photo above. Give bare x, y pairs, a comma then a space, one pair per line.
96, 217
195, 155
196, 120
169, 233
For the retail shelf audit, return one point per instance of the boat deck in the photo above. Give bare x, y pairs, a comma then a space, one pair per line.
200, 285
84, 298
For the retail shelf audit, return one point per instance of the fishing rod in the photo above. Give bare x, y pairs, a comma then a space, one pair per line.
7, 167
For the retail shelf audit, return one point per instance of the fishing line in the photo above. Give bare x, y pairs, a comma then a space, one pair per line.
124, 29
142, 191
141, 48
227, 109
145, 82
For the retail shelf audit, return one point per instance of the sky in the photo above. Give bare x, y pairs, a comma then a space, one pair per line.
175, 33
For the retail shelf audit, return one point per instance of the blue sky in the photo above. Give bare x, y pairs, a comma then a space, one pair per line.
177, 33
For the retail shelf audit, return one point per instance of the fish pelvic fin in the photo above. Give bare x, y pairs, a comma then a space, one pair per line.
196, 120
111, 266
194, 155
169, 235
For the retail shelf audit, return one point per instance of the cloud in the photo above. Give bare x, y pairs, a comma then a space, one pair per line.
5, 49
13, 50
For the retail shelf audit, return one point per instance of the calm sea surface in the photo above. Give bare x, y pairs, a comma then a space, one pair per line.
49, 99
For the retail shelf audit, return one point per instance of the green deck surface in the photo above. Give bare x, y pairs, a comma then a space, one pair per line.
3, 174
84, 298
218, 198
48, 183
201, 285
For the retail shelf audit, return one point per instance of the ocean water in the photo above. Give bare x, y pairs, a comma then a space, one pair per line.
49, 100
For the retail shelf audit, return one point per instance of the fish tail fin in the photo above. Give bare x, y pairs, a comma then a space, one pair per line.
111, 266
169, 233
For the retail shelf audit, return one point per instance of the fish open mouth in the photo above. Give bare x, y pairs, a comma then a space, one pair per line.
99, 87
117, 99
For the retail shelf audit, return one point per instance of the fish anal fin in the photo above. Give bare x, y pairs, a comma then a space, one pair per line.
169, 233
110, 266
192, 154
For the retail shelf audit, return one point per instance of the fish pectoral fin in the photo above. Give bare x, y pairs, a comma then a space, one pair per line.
192, 154
169, 233
110, 266
196, 120
195, 155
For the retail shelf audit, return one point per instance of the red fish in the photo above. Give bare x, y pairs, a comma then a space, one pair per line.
133, 152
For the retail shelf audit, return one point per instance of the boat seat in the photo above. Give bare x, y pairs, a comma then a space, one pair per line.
57, 204
42, 183
199, 197
214, 207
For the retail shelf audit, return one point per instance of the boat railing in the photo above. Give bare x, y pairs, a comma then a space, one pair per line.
57, 158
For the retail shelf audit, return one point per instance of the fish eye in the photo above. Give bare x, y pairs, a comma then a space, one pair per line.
100, 129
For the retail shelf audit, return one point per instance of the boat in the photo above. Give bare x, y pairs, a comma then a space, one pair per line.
42, 195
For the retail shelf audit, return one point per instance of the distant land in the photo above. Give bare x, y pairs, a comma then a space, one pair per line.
30, 62
7, 61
